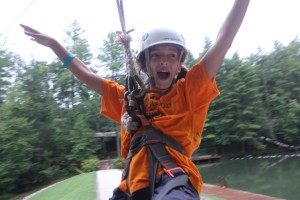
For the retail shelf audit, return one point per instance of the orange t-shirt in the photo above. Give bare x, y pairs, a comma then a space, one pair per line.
183, 111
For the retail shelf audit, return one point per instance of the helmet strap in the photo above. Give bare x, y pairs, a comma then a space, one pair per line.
149, 70
179, 63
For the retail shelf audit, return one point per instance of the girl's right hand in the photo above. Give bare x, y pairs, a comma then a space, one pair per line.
38, 36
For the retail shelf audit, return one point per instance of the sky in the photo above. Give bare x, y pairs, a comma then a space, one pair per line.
266, 21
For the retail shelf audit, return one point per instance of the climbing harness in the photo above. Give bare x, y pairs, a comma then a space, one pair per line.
148, 137
154, 142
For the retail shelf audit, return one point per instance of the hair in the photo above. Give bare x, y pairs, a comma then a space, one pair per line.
182, 73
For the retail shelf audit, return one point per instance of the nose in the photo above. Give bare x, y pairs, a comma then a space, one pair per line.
163, 61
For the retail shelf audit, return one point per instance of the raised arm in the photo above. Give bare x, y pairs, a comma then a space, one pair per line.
76, 66
215, 55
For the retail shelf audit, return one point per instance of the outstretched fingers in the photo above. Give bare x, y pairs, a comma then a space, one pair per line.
36, 35
28, 29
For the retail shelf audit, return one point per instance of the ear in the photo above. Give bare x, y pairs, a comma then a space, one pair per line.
179, 68
182, 73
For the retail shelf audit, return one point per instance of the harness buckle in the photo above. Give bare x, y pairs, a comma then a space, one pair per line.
171, 171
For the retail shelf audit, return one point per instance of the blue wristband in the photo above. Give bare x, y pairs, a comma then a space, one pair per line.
68, 60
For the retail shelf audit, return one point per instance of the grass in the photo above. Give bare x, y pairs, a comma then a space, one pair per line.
80, 187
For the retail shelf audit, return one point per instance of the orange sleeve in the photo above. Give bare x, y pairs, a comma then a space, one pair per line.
112, 100
199, 88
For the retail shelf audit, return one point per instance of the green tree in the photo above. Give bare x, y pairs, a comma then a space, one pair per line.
81, 140
112, 57
190, 60
236, 116
6, 65
26, 132
281, 80
207, 44
70, 91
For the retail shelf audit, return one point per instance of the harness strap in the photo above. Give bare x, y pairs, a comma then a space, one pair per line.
154, 141
151, 136
153, 164
163, 157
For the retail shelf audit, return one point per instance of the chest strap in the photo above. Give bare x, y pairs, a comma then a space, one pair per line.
154, 141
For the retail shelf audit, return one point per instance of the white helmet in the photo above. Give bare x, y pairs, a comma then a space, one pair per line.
161, 36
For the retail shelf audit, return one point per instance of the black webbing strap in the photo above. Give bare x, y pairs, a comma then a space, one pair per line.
163, 157
169, 166
151, 136
153, 164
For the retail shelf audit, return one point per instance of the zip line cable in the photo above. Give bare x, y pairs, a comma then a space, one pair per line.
19, 16
134, 86
134, 82
280, 144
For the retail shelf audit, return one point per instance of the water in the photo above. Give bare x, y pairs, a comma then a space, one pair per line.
277, 175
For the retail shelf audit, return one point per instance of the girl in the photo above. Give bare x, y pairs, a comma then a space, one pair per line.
159, 139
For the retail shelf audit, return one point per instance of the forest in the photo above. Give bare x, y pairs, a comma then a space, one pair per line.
49, 119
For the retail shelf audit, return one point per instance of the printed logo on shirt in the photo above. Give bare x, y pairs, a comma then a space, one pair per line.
154, 104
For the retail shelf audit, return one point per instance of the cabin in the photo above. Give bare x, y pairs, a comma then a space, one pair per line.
111, 144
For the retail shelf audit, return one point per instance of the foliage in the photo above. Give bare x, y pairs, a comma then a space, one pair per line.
259, 97
113, 58
240, 104
8, 63
42, 138
118, 163
90, 165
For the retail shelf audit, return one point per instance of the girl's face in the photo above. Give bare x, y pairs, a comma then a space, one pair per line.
164, 65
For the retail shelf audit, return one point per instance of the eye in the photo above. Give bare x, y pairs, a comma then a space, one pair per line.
154, 56
172, 56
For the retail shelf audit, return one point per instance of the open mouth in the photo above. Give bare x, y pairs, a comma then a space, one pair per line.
163, 75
